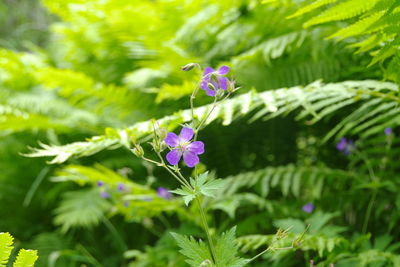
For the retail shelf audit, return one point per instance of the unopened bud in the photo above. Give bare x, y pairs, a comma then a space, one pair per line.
211, 86
138, 150
189, 67
231, 86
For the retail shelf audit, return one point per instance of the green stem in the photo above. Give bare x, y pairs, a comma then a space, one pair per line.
207, 230
181, 180
198, 128
192, 97
369, 210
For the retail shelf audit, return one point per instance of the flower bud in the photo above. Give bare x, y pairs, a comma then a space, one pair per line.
231, 86
138, 150
211, 86
189, 67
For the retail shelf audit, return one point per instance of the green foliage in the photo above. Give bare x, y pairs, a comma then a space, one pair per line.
86, 208
204, 185
377, 24
25, 258
226, 250
81, 208
196, 251
110, 67
317, 101
6, 242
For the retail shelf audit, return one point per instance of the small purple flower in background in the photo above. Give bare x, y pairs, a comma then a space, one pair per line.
104, 194
388, 131
100, 183
126, 204
216, 79
120, 187
181, 146
309, 207
164, 193
345, 146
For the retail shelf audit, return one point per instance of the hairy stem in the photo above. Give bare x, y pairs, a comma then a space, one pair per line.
207, 230
192, 97
198, 128
181, 180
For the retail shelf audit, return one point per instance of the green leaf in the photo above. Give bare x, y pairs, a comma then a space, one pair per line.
206, 185
26, 258
81, 209
188, 195
196, 252
227, 250
6, 242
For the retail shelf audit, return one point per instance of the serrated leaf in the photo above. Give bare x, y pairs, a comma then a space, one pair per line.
81, 209
196, 252
227, 250
26, 258
209, 188
6, 242
188, 195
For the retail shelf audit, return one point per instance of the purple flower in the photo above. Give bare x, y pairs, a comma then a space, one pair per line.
182, 146
164, 193
100, 183
213, 80
104, 194
388, 131
120, 187
345, 146
309, 207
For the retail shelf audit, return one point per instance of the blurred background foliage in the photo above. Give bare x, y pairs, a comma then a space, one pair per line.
80, 79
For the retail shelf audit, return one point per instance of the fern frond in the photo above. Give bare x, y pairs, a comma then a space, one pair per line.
342, 11
358, 28
377, 21
81, 209
290, 180
317, 100
6, 246
311, 7
137, 201
26, 258
81, 90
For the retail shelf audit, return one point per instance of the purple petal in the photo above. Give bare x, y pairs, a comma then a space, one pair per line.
342, 144
172, 140
208, 70
223, 70
104, 194
174, 156
388, 131
309, 207
204, 85
196, 147
120, 187
223, 83
186, 134
210, 92
164, 193
191, 159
